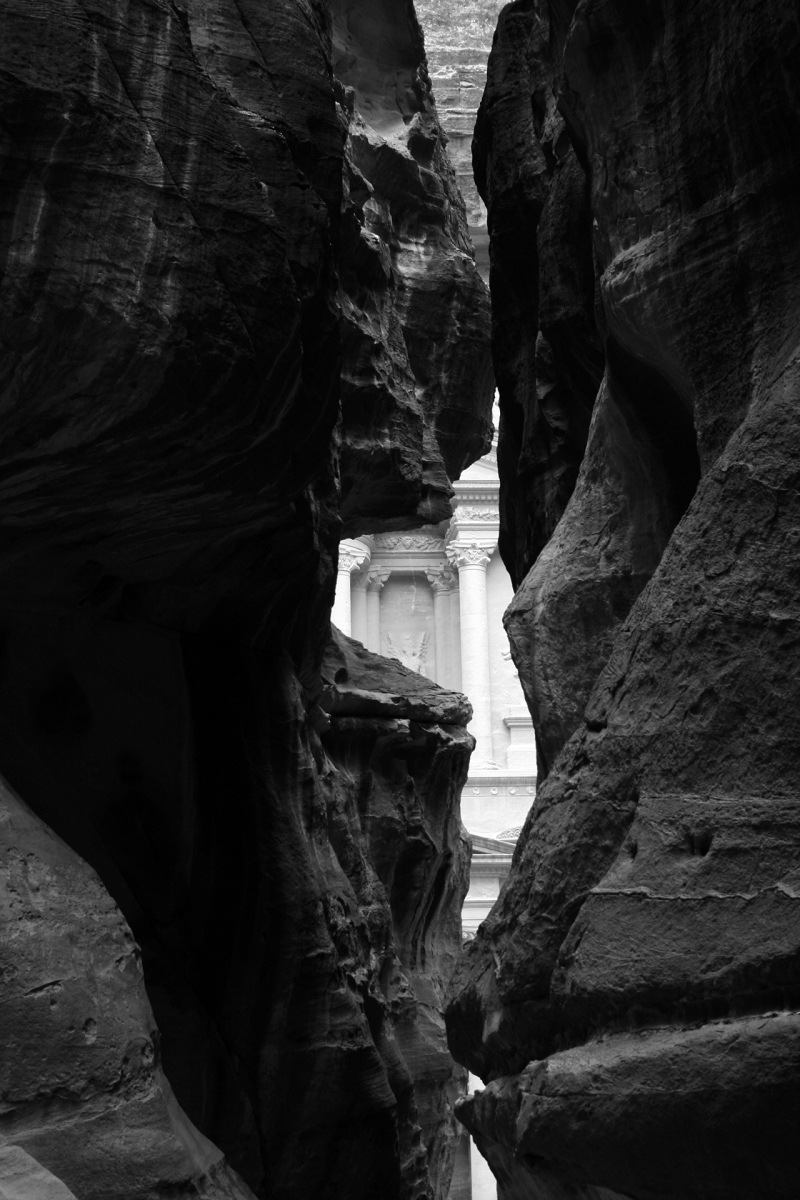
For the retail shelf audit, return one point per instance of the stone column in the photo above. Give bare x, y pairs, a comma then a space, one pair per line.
474, 527
359, 581
472, 560
353, 553
455, 637
443, 581
376, 578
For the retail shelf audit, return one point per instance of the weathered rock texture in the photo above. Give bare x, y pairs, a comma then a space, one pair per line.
458, 38
397, 755
415, 310
221, 262
84, 1101
634, 995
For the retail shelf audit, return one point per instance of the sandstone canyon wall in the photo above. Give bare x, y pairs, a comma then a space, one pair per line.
457, 42
239, 314
632, 1000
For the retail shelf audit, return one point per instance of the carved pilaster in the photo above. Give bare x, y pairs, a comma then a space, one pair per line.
471, 555
444, 581
375, 579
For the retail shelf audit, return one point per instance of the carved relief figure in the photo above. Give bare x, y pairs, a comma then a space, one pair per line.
412, 653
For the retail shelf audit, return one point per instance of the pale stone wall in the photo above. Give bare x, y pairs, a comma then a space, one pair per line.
492, 804
407, 625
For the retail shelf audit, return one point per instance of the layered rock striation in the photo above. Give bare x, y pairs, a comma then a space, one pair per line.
632, 1000
457, 43
238, 313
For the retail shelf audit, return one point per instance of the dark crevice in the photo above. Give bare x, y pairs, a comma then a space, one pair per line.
656, 410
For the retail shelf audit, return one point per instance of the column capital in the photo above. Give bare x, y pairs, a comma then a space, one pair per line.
469, 554
354, 553
442, 579
376, 577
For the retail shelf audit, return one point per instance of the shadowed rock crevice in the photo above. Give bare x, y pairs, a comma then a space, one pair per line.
663, 419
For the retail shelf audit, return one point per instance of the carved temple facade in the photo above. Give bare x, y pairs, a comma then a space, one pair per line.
434, 598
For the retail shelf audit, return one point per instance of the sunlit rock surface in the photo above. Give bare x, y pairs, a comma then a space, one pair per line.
458, 38
237, 306
634, 994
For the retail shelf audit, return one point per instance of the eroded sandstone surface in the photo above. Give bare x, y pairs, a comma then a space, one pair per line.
415, 311
239, 313
84, 1097
458, 38
632, 1001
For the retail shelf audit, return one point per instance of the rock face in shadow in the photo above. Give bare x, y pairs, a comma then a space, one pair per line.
637, 986
392, 788
234, 314
549, 362
86, 1108
547, 349
294, 888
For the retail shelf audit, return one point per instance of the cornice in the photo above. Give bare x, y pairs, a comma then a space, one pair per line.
474, 488
420, 542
